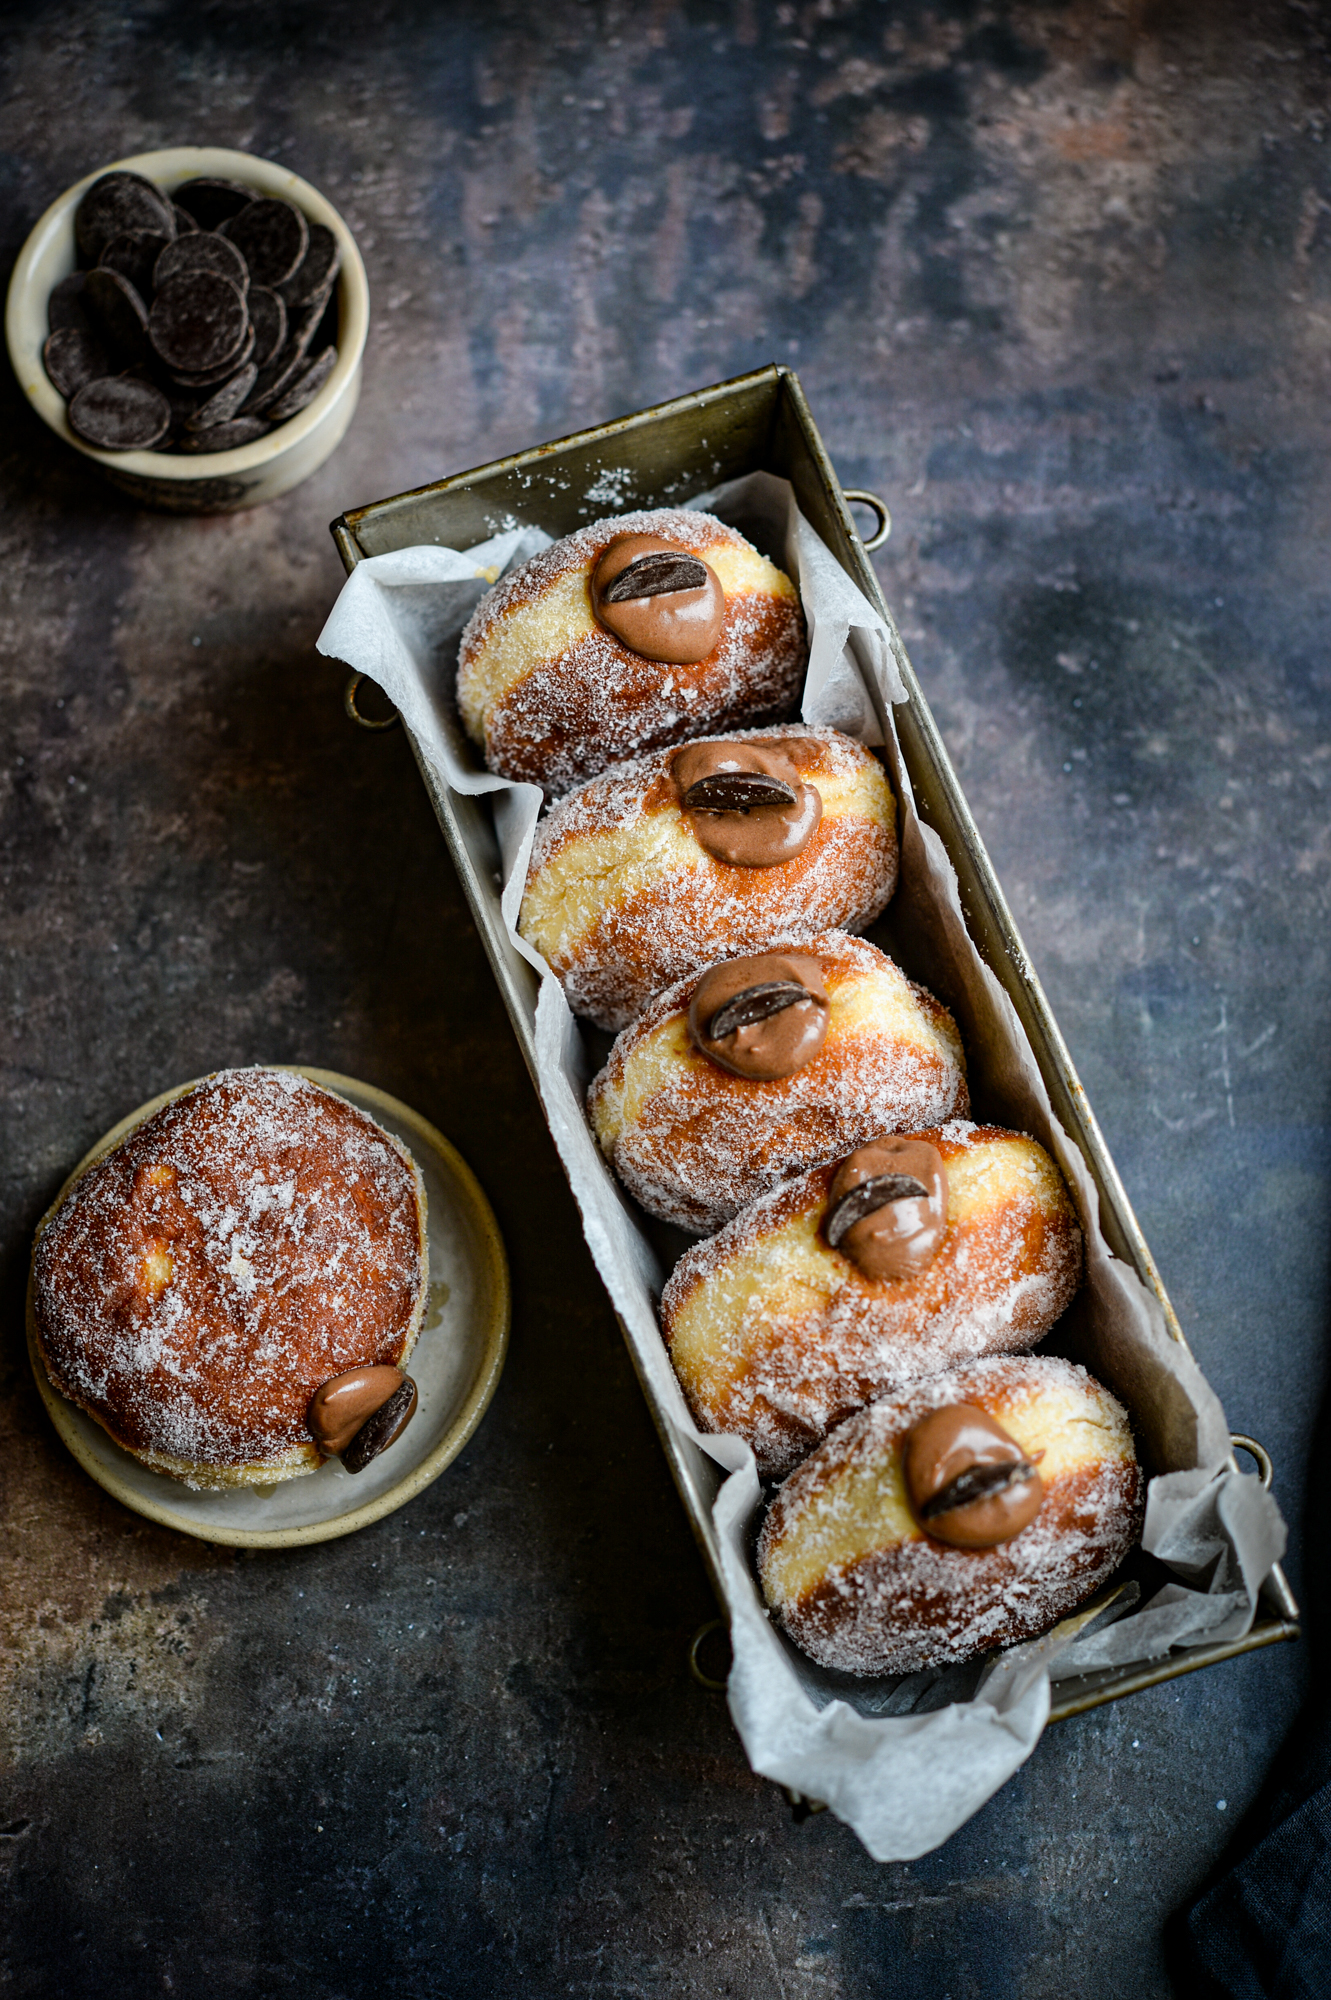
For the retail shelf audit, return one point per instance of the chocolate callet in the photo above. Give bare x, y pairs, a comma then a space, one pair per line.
211, 201
867, 1198
67, 305
205, 250
384, 1428
977, 1482
119, 316
223, 405
229, 436
73, 358
208, 378
115, 203
120, 414
317, 269
305, 387
198, 321
268, 316
185, 223
738, 791
755, 1003
135, 256
655, 574
272, 236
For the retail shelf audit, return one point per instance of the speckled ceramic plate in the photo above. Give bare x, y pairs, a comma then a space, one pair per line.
456, 1364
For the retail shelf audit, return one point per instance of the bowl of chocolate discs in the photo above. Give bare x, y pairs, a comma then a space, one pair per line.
192, 321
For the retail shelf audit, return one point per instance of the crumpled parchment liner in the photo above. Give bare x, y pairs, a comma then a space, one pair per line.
906, 1760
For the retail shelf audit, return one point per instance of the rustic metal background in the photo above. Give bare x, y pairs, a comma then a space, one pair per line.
1056, 279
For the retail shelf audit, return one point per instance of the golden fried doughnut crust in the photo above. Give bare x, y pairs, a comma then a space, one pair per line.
553, 697
860, 1587
776, 1337
622, 898
197, 1284
693, 1143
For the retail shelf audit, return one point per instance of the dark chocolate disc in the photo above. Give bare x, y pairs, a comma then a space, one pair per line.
305, 387
72, 358
275, 379
271, 236
385, 1427
120, 414
185, 222
115, 204
135, 256
205, 250
268, 314
67, 306
225, 437
198, 321
212, 201
119, 316
755, 1003
223, 404
314, 275
210, 378
304, 323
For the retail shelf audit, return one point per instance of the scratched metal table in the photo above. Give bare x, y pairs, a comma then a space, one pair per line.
1057, 280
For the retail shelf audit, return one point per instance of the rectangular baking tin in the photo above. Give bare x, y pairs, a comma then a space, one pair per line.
662, 457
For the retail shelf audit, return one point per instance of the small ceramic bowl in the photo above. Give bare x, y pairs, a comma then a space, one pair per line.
222, 481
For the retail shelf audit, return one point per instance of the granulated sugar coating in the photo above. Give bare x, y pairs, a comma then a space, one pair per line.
622, 898
247, 1242
776, 1337
694, 1143
553, 697
861, 1588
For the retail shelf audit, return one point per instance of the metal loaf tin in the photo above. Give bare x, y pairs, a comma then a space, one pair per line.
660, 457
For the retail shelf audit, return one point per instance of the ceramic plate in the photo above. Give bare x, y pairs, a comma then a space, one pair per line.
456, 1364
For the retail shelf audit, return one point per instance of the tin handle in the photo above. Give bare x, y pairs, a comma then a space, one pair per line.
1266, 1471
704, 1632
875, 506
349, 694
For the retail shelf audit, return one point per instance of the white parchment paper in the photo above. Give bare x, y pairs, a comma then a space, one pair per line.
904, 1760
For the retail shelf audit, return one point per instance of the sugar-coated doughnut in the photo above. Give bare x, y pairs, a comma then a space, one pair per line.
776, 1336
196, 1286
629, 887
695, 1127
551, 684
862, 1586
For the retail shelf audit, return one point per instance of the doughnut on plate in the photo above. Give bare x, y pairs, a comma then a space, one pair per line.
776, 1337
694, 1143
861, 1588
456, 1363
622, 897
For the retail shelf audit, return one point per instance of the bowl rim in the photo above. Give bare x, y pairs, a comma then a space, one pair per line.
169, 166
157, 1506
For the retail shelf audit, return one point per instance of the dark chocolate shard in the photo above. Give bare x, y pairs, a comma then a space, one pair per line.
654, 575
120, 414
72, 357
737, 791
272, 237
755, 1003
67, 306
225, 437
205, 250
304, 389
118, 315
385, 1427
198, 321
313, 277
977, 1482
212, 201
116, 203
224, 403
268, 314
868, 1198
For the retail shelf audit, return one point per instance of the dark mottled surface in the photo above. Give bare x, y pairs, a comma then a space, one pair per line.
1058, 281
